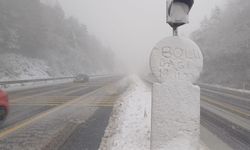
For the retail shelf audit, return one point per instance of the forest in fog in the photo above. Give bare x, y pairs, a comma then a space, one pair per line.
38, 40
224, 39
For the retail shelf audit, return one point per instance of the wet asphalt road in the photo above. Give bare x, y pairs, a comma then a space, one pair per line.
28, 103
226, 114
223, 112
88, 136
25, 104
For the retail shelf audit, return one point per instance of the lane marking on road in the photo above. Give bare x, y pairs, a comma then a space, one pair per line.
87, 105
56, 103
48, 99
44, 88
98, 105
40, 94
245, 114
107, 103
43, 93
77, 90
227, 94
63, 98
30, 90
56, 100
36, 104
7, 131
57, 97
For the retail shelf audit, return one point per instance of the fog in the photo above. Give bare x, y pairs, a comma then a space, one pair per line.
132, 27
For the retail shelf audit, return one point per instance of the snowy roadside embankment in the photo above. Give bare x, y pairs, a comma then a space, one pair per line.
130, 123
17, 67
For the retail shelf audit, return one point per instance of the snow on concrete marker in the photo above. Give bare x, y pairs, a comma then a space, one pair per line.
176, 63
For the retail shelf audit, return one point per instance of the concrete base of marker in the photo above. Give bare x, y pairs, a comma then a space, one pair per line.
175, 116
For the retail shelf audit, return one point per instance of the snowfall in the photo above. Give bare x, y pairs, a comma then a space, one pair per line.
130, 124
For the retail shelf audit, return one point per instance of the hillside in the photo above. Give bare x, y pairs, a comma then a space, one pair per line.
224, 39
35, 31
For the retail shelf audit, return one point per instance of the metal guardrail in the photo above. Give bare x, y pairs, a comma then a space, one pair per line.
219, 87
4, 83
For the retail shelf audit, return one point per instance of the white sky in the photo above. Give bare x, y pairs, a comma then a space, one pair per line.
132, 27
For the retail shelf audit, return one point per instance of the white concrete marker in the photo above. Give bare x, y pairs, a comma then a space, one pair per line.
176, 63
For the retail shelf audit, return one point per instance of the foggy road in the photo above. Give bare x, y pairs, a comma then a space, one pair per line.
31, 105
226, 113
176, 42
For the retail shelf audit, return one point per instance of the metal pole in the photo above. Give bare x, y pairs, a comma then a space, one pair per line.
175, 31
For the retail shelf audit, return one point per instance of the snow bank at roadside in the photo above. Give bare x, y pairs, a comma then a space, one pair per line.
129, 125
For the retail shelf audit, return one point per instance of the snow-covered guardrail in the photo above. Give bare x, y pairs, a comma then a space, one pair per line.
33, 80
6, 83
220, 87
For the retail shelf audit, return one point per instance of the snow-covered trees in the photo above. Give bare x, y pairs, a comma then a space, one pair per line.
224, 39
38, 30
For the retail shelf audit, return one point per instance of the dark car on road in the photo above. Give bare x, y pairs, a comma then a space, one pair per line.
81, 78
4, 105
